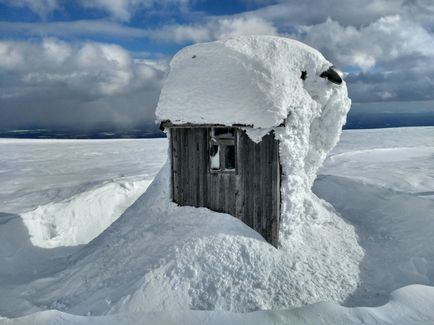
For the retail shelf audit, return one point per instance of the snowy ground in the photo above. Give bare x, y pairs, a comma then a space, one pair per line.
62, 193
382, 181
56, 196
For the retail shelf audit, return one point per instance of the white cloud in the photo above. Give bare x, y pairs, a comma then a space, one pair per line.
119, 9
394, 54
347, 12
41, 7
214, 29
181, 34
385, 40
100, 80
93, 68
74, 28
230, 27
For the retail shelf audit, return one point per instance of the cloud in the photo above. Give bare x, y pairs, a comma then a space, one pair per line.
214, 29
83, 83
88, 28
230, 27
392, 57
311, 12
122, 10
43, 8
413, 83
382, 41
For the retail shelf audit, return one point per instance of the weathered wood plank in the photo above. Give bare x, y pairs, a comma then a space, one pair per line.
252, 193
174, 164
275, 181
201, 157
247, 175
265, 186
229, 194
182, 160
239, 183
194, 167
258, 186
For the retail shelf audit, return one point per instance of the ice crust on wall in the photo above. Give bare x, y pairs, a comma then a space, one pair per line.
256, 80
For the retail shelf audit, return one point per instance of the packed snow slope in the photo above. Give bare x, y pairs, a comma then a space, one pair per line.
382, 181
146, 262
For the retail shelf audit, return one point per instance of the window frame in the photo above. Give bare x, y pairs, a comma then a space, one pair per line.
222, 141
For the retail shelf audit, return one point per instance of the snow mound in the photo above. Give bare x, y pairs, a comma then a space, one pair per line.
82, 217
158, 256
256, 81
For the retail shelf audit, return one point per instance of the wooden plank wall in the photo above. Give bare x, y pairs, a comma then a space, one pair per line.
252, 194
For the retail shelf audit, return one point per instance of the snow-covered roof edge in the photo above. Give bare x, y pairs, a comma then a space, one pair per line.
248, 80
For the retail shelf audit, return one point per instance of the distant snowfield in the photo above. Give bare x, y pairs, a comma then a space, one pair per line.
57, 196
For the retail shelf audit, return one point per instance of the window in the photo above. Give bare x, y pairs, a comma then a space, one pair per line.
230, 157
222, 150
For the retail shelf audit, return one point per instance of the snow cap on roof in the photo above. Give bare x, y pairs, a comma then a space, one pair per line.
249, 80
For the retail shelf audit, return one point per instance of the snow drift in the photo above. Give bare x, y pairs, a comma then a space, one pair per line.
80, 218
409, 305
158, 256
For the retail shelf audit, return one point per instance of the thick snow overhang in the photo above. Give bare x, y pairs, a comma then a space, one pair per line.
254, 80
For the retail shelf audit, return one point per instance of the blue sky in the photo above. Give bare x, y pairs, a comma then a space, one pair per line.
80, 63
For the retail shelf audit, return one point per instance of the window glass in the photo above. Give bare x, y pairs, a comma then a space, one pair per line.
229, 157
222, 150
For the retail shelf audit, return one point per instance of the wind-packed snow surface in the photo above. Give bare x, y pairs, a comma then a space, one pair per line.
159, 257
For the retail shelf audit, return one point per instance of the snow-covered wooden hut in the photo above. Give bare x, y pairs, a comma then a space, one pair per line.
227, 107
